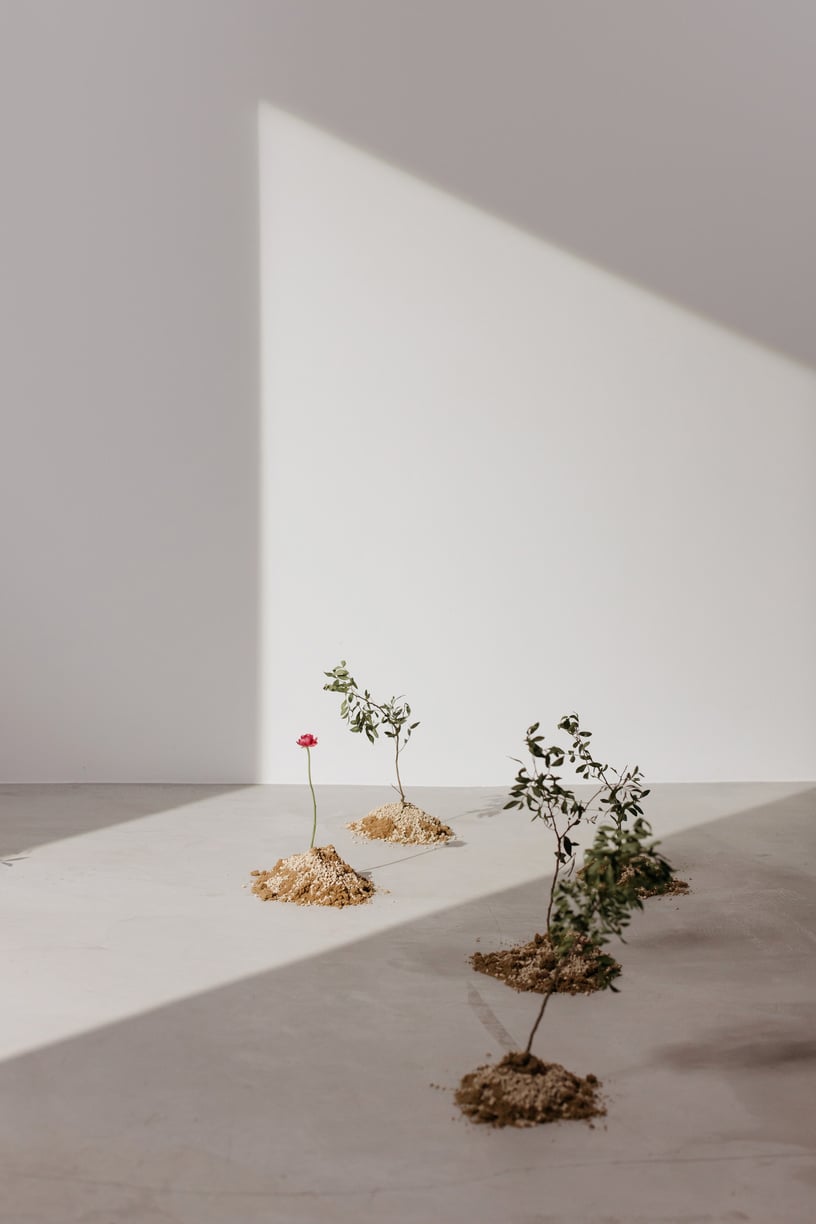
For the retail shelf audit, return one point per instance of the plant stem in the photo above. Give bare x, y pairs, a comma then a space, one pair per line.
555, 873
360, 697
540, 1016
314, 800
376, 706
396, 765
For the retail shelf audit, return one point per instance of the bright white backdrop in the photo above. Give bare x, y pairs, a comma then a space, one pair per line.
477, 377
510, 485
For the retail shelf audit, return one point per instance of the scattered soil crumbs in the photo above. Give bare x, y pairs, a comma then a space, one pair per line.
530, 967
522, 1090
674, 888
403, 823
317, 877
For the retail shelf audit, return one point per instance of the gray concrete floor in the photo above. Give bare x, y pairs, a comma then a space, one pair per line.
175, 1051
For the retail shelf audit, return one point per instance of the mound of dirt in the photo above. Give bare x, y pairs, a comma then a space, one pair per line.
521, 1090
674, 887
531, 966
403, 823
317, 877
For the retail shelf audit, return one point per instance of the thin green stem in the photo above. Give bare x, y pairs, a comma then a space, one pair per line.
555, 875
314, 800
374, 705
396, 765
360, 697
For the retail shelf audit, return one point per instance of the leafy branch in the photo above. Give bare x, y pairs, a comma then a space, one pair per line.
618, 797
620, 793
599, 901
365, 716
538, 788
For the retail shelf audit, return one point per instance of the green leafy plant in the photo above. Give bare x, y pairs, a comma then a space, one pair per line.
591, 906
539, 788
365, 716
618, 797
599, 902
585, 909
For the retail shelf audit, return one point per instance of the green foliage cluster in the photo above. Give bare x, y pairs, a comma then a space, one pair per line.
617, 797
598, 901
365, 716
539, 789
589, 905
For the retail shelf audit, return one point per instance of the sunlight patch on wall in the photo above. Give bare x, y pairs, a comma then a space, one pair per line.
509, 484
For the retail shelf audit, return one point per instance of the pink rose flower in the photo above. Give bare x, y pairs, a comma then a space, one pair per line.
307, 741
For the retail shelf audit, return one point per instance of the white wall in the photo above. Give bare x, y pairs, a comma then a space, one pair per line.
511, 485
129, 392
130, 644
670, 142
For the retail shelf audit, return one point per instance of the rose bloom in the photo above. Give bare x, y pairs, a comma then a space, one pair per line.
307, 741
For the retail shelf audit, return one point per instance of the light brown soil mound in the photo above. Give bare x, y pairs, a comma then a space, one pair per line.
522, 1090
530, 966
317, 877
674, 888
403, 823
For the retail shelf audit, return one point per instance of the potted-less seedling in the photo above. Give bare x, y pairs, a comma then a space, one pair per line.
319, 876
619, 797
522, 1090
401, 822
540, 788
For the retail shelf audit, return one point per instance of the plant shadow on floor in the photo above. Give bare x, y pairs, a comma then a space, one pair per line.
405, 858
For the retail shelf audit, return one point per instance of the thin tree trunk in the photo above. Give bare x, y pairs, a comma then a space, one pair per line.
540, 1015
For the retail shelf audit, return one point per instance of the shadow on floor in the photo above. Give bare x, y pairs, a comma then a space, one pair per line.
321, 1091
34, 815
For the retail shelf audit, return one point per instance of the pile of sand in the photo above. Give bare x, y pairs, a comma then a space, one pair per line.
403, 823
673, 888
530, 966
522, 1090
317, 877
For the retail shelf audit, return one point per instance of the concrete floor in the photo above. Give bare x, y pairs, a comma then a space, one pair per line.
175, 1051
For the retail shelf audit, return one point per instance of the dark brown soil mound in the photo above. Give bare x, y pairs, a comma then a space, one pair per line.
522, 1090
317, 877
403, 823
530, 966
